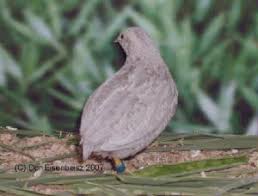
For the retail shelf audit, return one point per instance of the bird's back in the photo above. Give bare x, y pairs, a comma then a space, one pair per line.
129, 110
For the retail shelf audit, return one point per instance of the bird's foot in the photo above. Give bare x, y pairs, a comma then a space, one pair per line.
119, 165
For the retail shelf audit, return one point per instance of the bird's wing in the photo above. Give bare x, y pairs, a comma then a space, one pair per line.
145, 118
99, 106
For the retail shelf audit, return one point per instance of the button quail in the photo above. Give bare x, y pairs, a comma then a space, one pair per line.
130, 109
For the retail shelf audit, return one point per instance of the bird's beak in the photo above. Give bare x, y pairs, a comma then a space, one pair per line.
116, 40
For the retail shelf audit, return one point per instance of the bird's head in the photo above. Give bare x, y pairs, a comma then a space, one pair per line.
135, 39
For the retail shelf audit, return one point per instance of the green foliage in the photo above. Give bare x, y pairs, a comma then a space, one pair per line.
188, 167
54, 54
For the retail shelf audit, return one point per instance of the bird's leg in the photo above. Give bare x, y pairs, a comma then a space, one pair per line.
119, 165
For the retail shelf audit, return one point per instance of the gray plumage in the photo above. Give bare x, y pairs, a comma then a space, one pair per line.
130, 109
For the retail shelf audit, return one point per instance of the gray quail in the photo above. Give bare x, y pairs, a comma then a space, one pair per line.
130, 109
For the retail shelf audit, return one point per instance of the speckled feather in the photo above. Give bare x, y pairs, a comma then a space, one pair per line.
130, 109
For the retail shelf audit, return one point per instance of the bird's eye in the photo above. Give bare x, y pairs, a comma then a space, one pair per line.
122, 36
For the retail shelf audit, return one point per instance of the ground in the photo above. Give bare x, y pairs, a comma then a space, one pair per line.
56, 152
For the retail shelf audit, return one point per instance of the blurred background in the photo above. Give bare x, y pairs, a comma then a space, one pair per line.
54, 53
